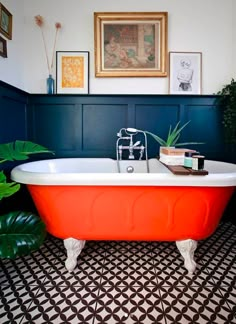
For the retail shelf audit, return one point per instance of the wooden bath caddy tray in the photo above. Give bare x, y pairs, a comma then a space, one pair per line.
181, 170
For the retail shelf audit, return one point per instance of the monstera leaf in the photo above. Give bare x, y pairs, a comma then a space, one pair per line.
20, 234
7, 188
19, 150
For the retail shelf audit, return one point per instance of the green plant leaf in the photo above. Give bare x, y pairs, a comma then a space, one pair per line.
2, 177
174, 140
227, 101
8, 189
19, 150
20, 234
189, 143
157, 138
173, 136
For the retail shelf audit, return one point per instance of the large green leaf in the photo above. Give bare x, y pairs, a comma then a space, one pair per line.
3, 178
20, 234
8, 189
19, 150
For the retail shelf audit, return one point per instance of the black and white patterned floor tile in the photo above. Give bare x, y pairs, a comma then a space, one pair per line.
122, 283
129, 304
195, 305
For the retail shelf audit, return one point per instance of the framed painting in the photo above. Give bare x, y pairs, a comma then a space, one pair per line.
185, 73
130, 44
72, 72
3, 47
5, 22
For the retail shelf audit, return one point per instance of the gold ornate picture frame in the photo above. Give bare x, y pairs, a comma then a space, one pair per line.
5, 22
130, 44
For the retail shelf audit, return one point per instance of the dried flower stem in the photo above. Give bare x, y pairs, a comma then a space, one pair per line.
46, 52
39, 21
58, 25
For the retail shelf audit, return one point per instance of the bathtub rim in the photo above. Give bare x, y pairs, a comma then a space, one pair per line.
163, 178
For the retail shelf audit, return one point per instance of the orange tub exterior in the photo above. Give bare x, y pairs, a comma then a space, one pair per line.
130, 212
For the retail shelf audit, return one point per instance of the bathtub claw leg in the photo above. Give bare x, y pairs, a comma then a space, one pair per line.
186, 249
74, 248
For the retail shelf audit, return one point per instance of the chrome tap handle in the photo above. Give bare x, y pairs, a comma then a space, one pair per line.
132, 147
141, 152
136, 143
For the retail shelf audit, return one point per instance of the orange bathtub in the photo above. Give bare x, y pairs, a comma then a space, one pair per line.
86, 199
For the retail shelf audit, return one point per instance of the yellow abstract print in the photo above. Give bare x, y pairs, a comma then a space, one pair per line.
72, 72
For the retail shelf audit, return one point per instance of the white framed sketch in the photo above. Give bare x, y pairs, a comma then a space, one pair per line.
185, 73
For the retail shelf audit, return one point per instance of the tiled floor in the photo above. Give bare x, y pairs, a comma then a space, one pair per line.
122, 282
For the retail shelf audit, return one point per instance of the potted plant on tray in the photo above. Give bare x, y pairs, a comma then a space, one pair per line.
168, 153
20, 232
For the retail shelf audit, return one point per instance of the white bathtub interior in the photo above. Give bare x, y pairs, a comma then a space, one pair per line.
104, 171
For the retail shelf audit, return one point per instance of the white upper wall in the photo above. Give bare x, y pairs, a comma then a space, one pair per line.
11, 68
206, 26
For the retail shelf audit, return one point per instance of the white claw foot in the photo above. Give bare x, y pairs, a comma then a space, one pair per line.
74, 248
186, 249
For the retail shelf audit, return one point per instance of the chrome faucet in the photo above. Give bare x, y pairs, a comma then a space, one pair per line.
125, 135
126, 142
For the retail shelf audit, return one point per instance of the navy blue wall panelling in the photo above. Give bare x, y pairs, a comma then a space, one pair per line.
86, 125
101, 123
13, 122
57, 126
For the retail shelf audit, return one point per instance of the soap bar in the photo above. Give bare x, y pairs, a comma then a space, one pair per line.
174, 151
172, 159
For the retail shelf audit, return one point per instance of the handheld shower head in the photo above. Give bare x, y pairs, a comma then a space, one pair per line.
132, 130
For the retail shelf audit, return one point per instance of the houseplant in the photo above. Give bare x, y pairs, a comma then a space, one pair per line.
228, 102
20, 232
172, 137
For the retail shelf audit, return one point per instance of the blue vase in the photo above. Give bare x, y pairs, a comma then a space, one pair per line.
50, 84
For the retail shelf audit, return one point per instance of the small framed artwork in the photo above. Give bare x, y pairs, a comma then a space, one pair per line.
3, 47
72, 72
185, 73
5, 22
130, 44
